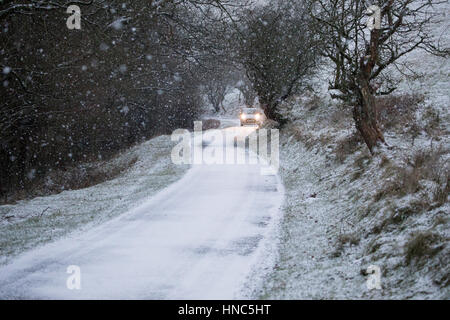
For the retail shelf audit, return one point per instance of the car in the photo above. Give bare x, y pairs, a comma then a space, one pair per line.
253, 116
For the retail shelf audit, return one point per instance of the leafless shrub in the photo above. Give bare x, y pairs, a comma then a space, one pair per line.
440, 218
210, 124
430, 164
441, 192
270, 124
347, 146
348, 238
302, 135
325, 139
343, 240
408, 180
296, 133
313, 102
422, 165
398, 111
400, 214
384, 161
433, 120
422, 245
340, 117
414, 131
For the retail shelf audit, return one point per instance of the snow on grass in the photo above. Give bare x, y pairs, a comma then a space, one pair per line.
43, 219
336, 224
306, 268
346, 210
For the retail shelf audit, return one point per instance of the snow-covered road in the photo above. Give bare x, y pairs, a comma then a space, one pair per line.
201, 238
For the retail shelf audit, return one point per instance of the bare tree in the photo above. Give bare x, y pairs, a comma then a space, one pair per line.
245, 87
277, 57
362, 55
216, 78
216, 89
70, 96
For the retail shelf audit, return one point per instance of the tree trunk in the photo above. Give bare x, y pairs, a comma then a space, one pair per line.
268, 111
216, 107
366, 119
365, 112
271, 113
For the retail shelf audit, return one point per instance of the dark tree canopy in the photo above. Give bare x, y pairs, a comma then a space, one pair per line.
131, 72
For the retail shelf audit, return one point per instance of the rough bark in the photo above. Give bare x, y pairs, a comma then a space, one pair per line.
271, 112
365, 112
366, 119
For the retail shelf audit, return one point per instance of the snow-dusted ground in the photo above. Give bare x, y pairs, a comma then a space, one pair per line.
35, 222
332, 228
211, 234
336, 224
202, 237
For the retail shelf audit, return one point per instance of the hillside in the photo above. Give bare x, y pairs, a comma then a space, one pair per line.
346, 210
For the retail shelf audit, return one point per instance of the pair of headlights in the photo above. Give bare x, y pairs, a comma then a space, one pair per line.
244, 116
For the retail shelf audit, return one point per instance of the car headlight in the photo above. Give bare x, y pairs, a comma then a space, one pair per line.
257, 116
243, 117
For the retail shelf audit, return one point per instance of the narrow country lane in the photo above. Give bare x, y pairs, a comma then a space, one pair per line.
198, 239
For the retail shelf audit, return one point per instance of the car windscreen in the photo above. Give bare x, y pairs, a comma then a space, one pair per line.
250, 111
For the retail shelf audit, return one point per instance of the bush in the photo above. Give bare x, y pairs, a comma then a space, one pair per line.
421, 246
433, 121
347, 146
210, 124
442, 190
398, 111
422, 165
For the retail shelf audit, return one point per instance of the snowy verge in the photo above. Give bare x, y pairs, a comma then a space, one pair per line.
34, 222
341, 215
346, 210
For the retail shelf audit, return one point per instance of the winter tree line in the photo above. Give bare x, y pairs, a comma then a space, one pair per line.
134, 70
139, 68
